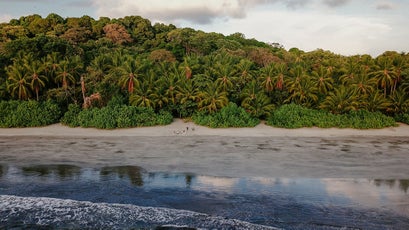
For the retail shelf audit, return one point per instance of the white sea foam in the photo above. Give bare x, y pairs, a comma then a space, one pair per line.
40, 211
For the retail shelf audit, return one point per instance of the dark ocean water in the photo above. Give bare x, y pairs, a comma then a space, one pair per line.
125, 197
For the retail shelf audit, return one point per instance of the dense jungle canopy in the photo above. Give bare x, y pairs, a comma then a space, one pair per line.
89, 62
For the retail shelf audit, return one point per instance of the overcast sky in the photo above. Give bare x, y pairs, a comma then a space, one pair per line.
346, 27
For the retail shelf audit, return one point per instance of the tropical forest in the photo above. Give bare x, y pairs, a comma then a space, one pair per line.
128, 72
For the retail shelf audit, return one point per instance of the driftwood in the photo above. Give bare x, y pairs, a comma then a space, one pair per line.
88, 101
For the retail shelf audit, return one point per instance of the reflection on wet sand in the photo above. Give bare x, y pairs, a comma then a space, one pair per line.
402, 184
137, 176
133, 173
2, 171
282, 200
63, 171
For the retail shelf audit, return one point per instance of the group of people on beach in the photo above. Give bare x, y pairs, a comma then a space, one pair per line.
184, 131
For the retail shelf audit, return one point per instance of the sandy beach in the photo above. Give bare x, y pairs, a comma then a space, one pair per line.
182, 128
262, 151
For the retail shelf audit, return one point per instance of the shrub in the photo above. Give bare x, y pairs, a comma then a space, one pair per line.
115, 116
296, 116
28, 113
229, 116
404, 118
363, 119
70, 117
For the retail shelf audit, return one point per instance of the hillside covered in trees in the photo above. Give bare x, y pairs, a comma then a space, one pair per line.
97, 69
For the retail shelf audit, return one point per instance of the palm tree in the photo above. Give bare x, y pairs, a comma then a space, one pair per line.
363, 83
376, 102
266, 77
98, 69
280, 73
211, 99
143, 96
190, 65
323, 79
130, 71
244, 72
187, 97
302, 89
385, 73
117, 60
51, 64
400, 64
186, 91
35, 71
170, 82
64, 75
17, 82
400, 101
225, 76
341, 100
258, 105
350, 70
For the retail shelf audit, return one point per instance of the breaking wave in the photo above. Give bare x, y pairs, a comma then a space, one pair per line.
22, 212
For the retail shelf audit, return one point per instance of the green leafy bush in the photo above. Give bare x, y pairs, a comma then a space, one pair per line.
114, 116
70, 117
28, 113
296, 116
363, 119
404, 118
229, 116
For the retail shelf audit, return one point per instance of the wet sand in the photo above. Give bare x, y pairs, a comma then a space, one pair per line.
235, 152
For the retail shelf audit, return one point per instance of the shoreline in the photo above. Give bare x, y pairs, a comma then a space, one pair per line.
181, 128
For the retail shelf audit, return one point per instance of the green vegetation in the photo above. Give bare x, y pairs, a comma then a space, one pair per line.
229, 116
82, 64
28, 113
404, 118
296, 116
111, 117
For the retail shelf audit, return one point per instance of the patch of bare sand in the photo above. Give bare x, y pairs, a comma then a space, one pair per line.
182, 128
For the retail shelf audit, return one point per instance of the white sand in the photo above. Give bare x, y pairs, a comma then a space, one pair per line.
182, 128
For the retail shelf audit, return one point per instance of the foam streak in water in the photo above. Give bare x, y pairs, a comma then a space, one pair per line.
60, 213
